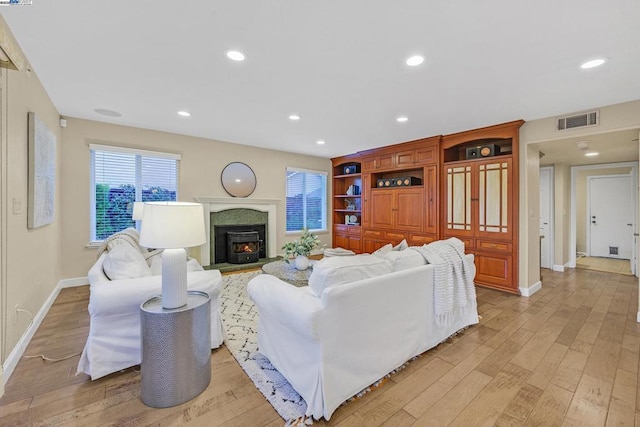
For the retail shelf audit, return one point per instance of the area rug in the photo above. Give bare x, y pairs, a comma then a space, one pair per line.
240, 317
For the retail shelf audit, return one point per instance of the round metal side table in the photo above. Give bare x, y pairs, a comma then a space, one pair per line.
176, 350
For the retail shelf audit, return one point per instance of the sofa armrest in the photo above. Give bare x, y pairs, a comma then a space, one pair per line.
122, 296
293, 307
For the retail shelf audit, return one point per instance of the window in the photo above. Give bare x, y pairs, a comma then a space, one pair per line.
306, 200
121, 176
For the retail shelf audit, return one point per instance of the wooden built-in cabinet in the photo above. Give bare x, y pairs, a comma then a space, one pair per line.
463, 185
399, 194
479, 194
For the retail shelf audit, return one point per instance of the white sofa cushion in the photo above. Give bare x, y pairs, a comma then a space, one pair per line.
401, 246
383, 250
408, 258
125, 262
335, 271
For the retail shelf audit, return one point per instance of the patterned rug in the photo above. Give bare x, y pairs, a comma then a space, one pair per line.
240, 316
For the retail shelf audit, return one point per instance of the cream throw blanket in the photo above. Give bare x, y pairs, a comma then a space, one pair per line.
127, 236
453, 282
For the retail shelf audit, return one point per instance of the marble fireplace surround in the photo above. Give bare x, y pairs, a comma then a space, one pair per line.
217, 204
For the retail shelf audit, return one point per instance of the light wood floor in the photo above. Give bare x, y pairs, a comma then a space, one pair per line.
566, 356
611, 265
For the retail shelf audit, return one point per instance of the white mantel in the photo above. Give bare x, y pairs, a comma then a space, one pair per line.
217, 204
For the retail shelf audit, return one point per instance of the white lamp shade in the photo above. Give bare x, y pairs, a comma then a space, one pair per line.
137, 211
171, 225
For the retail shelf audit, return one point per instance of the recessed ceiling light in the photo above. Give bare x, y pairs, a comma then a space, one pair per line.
106, 112
235, 55
591, 153
320, 142
593, 63
415, 60
294, 117
402, 119
184, 113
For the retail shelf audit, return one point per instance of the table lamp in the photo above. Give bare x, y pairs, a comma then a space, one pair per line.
136, 215
173, 226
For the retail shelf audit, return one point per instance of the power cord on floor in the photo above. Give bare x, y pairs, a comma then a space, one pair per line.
48, 359
45, 358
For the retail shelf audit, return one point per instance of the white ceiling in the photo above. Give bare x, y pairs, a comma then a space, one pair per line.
339, 65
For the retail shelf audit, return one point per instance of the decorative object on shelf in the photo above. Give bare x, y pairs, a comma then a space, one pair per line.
351, 204
173, 226
353, 190
351, 169
351, 220
303, 246
42, 173
238, 179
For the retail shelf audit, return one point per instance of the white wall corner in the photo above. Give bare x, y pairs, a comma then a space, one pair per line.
14, 357
527, 292
638, 317
558, 268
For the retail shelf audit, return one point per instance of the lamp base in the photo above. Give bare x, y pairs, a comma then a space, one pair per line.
174, 278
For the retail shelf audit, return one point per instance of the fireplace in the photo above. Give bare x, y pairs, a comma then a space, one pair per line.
224, 211
226, 236
242, 247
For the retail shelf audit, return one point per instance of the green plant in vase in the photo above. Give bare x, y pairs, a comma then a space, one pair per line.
301, 249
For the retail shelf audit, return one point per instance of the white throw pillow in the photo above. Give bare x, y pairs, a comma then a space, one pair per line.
336, 271
401, 260
156, 265
125, 262
401, 246
383, 250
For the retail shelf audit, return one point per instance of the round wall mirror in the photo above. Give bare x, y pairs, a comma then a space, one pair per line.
238, 179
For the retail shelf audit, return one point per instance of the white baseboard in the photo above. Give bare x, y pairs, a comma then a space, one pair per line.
14, 357
558, 268
73, 282
638, 317
527, 292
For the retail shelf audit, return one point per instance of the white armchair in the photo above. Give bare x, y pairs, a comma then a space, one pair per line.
113, 343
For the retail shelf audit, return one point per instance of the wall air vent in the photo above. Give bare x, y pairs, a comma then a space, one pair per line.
591, 118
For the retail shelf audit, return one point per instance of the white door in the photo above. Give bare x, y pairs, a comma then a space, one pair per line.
611, 216
546, 217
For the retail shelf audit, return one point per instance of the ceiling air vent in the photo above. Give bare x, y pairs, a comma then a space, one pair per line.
579, 121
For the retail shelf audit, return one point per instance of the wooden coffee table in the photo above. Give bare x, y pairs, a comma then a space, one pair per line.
288, 272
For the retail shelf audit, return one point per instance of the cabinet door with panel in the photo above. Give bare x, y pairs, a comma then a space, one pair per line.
400, 208
383, 203
378, 161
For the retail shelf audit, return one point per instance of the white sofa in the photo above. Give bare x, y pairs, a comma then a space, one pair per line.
114, 305
331, 343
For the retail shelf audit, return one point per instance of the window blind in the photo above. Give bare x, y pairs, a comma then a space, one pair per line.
306, 204
121, 177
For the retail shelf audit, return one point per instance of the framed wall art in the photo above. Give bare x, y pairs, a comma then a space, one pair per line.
42, 173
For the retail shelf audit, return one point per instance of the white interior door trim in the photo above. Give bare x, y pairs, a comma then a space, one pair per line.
574, 174
551, 237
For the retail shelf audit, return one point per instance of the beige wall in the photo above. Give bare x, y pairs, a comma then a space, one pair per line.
581, 201
612, 118
32, 257
200, 168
